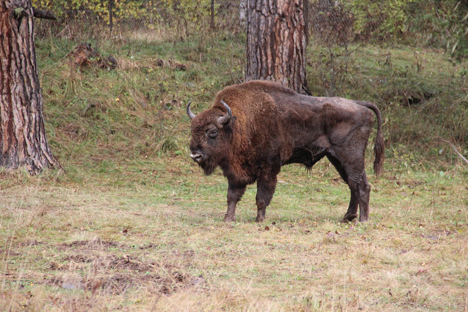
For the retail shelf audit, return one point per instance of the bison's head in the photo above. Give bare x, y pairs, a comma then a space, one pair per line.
211, 136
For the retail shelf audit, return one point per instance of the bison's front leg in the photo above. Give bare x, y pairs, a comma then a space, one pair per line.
265, 189
234, 195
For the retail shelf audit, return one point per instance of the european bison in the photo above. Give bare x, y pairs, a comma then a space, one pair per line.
256, 127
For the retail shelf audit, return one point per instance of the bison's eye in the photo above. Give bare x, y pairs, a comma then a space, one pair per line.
212, 134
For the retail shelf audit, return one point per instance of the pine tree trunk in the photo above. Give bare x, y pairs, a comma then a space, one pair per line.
276, 42
22, 134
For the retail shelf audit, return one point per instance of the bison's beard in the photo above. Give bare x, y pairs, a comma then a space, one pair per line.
208, 167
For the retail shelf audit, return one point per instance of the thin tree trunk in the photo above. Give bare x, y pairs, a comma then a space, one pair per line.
212, 25
22, 134
111, 22
276, 42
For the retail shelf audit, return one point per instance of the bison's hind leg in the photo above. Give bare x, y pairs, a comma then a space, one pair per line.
349, 217
352, 172
361, 188
266, 185
351, 214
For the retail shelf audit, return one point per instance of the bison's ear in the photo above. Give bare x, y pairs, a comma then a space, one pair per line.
228, 126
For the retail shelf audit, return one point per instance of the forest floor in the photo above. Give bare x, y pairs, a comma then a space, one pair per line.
133, 224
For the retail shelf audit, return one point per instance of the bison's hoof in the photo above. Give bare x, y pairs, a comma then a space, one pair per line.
259, 219
229, 219
349, 217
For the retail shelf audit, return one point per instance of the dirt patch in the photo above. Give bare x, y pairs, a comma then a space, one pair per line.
166, 284
31, 242
93, 266
111, 262
149, 246
95, 244
130, 264
57, 267
115, 274
79, 258
10, 252
98, 244
119, 283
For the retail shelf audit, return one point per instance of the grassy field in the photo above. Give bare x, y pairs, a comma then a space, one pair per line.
133, 224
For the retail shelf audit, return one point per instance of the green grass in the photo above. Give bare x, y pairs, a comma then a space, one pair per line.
133, 224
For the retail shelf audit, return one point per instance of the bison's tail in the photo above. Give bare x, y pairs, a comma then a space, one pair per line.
379, 148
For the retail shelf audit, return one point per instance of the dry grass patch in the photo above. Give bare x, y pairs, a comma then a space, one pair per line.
163, 246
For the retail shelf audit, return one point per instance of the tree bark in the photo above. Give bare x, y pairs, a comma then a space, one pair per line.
276, 42
22, 135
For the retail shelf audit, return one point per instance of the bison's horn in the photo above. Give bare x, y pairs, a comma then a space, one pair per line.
225, 119
189, 112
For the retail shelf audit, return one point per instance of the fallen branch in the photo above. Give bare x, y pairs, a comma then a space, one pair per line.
84, 55
456, 150
44, 14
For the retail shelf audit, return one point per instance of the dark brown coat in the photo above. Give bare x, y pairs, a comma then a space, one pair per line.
256, 127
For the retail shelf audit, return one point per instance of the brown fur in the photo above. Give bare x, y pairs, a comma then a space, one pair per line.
273, 126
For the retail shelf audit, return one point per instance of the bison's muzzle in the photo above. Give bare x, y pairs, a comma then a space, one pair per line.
197, 157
